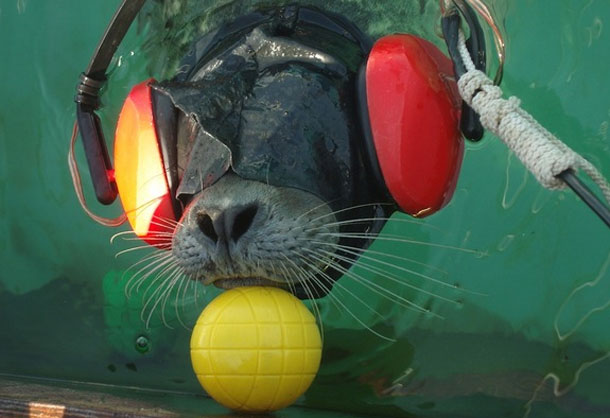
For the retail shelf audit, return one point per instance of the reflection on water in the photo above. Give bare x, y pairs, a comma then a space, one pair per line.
525, 331
515, 183
587, 299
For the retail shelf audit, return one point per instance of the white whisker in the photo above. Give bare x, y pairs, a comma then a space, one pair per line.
175, 278
380, 290
388, 255
183, 280
153, 234
372, 219
395, 238
140, 247
348, 209
119, 234
157, 239
157, 270
390, 277
189, 282
316, 208
164, 268
342, 304
400, 268
158, 295
319, 282
287, 276
156, 259
300, 274
165, 222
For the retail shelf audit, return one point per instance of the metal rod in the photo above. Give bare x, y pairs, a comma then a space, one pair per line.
587, 196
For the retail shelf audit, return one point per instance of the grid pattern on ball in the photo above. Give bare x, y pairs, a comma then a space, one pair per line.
305, 376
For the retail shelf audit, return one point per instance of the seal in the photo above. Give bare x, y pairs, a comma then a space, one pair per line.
259, 162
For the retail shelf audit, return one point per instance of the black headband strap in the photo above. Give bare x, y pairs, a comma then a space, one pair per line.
114, 34
87, 100
92, 80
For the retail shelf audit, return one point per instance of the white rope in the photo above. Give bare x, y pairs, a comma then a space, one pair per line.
541, 152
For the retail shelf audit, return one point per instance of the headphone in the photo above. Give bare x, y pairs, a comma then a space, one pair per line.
408, 104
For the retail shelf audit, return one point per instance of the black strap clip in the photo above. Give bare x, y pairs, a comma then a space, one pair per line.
470, 123
88, 91
87, 101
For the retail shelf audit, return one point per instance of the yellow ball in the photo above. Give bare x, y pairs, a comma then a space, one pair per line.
256, 349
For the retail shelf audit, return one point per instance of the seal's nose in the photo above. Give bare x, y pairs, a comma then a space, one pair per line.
229, 224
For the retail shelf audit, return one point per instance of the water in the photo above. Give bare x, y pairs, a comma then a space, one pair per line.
522, 328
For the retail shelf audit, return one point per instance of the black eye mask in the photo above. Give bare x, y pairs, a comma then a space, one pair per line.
272, 109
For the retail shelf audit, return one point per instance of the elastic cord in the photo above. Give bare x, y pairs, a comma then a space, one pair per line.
78, 187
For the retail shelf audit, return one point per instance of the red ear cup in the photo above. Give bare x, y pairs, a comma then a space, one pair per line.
414, 108
139, 171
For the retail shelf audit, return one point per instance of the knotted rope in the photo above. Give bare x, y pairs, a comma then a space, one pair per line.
543, 154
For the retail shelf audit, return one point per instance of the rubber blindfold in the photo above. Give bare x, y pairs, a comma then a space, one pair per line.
272, 109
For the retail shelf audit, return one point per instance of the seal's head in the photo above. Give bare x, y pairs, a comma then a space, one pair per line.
269, 155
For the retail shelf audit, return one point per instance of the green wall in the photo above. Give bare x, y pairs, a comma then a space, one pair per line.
521, 327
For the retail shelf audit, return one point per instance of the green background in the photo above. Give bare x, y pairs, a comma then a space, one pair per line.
522, 328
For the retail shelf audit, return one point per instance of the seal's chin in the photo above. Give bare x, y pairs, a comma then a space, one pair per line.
233, 282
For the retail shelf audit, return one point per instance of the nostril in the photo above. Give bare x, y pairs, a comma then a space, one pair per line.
205, 224
230, 224
242, 221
